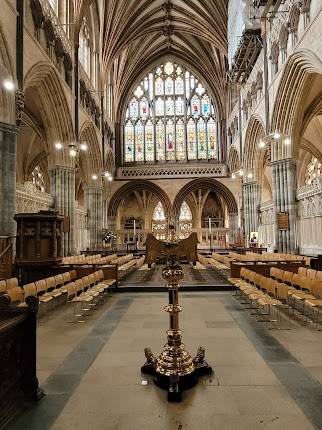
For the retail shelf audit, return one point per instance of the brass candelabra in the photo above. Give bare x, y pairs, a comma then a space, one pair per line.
174, 370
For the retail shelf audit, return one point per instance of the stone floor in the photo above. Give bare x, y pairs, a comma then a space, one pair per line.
91, 371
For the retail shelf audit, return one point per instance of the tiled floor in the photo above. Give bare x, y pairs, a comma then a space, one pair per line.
91, 372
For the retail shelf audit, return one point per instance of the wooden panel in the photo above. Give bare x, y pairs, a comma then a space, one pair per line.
283, 221
6, 257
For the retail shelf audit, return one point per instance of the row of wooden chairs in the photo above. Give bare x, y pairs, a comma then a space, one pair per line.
262, 294
268, 257
203, 260
92, 259
87, 292
48, 290
119, 261
301, 292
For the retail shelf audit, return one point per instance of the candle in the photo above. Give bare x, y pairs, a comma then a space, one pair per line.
209, 226
134, 228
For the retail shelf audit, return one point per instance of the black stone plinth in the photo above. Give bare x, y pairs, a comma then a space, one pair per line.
176, 385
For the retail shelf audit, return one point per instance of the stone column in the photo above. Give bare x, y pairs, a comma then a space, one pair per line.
8, 147
93, 197
63, 191
233, 227
251, 201
284, 194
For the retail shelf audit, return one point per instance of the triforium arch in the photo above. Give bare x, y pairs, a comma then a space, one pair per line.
43, 83
92, 160
293, 90
206, 184
253, 154
136, 186
233, 159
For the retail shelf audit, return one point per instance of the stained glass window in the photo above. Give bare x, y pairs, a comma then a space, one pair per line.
170, 149
134, 108
144, 108
179, 106
139, 148
160, 150
191, 140
181, 152
169, 106
185, 213
149, 141
159, 214
202, 139
170, 117
212, 139
129, 139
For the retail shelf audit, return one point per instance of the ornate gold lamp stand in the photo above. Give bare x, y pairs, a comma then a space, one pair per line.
175, 370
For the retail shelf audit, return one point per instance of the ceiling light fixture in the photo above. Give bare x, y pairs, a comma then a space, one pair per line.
8, 84
58, 145
83, 146
261, 144
287, 141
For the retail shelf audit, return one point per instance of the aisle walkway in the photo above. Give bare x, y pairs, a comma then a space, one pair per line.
257, 383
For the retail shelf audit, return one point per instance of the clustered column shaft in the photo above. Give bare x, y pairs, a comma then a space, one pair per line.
251, 201
8, 147
63, 191
283, 176
94, 205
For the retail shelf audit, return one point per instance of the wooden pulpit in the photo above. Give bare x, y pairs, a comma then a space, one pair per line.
39, 238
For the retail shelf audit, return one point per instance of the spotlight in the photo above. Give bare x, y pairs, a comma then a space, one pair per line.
107, 174
261, 144
58, 145
83, 146
277, 135
241, 172
8, 84
250, 175
73, 152
110, 178
287, 141
233, 176
94, 177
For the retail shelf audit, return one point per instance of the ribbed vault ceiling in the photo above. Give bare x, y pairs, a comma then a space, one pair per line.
135, 33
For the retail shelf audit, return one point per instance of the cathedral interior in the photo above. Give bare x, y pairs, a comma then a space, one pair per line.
160, 156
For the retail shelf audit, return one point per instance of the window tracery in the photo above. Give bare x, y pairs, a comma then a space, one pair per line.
171, 116
159, 222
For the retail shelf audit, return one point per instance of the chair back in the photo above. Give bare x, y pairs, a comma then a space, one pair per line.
12, 283
30, 290
302, 271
